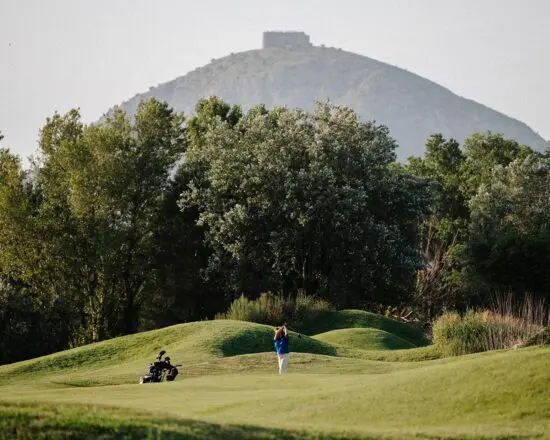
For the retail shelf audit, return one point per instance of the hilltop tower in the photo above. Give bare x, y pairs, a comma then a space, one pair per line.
285, 40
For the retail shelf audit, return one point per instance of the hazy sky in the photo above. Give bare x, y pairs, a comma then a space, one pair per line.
92, 54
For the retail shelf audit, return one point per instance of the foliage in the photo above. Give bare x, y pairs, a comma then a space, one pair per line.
457, 245
405, 313
299, 312
30, 325
291, 200
484, 152
138, 223
509, 230
442, 233
81, 228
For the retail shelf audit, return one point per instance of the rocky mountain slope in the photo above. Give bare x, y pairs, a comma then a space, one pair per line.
283, 73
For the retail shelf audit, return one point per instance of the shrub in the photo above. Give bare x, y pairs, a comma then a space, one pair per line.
273, 309
486, 330
241, 309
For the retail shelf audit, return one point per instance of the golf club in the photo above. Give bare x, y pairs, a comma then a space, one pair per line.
292, 329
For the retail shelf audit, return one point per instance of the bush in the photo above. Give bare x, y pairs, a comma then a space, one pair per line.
269, 308
486, 330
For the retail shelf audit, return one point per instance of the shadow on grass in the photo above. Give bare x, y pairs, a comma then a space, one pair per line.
260, 340
33, 422
26, 422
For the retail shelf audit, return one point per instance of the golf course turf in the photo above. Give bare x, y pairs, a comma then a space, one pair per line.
356, 383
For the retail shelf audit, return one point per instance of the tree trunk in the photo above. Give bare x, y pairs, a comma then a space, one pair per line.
130, 314
97, 313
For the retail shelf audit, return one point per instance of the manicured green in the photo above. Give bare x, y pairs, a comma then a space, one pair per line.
329, 392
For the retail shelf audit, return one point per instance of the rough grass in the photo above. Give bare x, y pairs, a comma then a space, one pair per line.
365, 339
478, 331
345, 319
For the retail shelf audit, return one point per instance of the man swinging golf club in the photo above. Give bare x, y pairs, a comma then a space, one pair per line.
280, 341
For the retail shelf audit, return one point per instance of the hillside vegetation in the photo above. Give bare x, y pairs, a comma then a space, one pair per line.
112, 233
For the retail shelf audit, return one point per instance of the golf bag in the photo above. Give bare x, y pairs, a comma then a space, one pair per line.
160, 370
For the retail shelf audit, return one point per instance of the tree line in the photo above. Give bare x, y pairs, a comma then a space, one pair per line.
137, 223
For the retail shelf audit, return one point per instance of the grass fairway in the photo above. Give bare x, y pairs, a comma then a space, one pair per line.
222, 393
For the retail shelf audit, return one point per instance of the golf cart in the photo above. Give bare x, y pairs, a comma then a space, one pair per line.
160, 370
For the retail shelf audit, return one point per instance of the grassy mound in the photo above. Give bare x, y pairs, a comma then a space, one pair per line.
365, 339
344, 319
121, 360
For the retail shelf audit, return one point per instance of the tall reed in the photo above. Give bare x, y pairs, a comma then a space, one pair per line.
509, 324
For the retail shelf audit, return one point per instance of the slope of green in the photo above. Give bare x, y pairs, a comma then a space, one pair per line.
123, 359
204, 348
364, 338
344, 319
491, 395
199, 341
338, 386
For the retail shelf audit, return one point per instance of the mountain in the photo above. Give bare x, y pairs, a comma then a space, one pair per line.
290, 71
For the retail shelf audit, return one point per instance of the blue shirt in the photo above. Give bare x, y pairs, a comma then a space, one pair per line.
281, 345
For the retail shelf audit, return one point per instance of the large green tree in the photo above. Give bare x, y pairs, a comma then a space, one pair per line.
116, 176
98, 191
291, 200
455, 258
483, 152
32, 322
444, 229
510, 228
16, 226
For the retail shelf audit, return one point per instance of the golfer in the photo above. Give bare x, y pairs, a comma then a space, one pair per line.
280, 340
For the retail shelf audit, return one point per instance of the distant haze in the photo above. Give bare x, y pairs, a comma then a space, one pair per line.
60, 54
